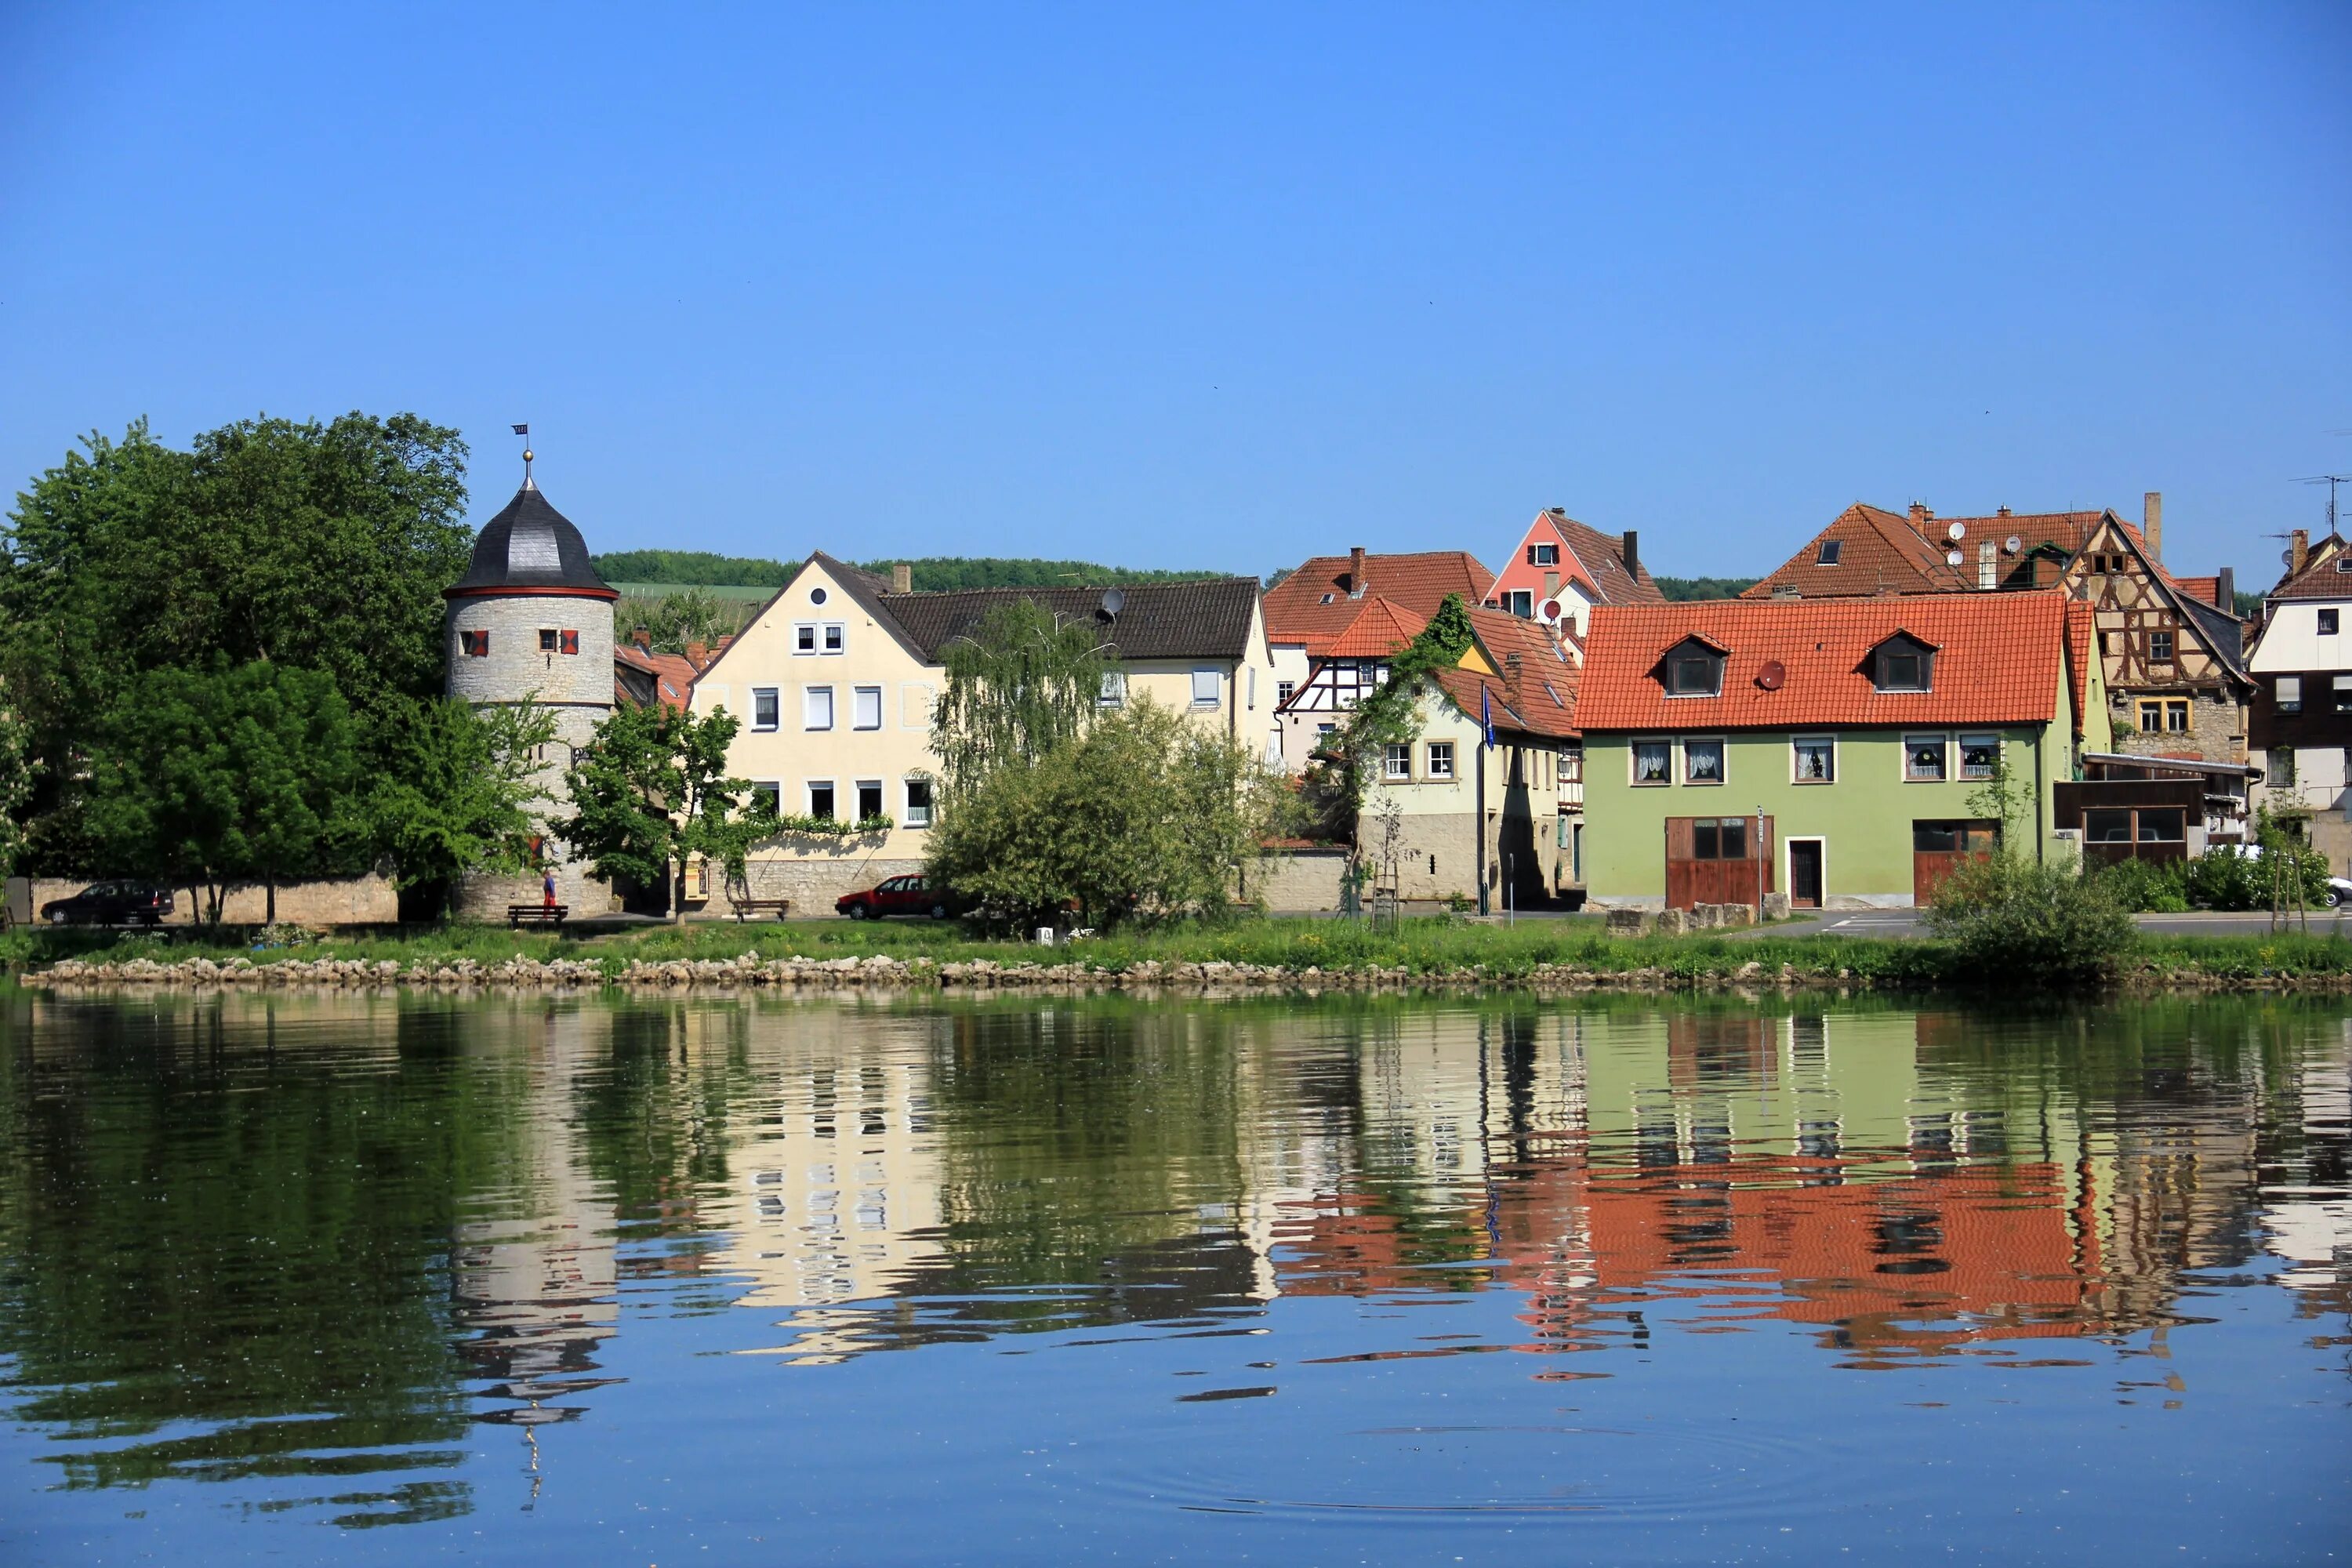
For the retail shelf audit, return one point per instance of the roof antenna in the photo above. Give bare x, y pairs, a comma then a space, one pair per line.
2331, 481
524, 431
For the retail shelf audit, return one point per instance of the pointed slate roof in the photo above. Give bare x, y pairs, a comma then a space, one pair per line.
530, 547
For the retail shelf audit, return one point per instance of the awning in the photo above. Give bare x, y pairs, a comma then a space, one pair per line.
2175, 764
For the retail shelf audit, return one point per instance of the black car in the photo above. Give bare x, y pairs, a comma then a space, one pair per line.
111, 904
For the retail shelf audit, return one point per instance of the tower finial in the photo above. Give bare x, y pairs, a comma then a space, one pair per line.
524, 430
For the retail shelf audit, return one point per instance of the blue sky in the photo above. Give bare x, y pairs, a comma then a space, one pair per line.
1211, 287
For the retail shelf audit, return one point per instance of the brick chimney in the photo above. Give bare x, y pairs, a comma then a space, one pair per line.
1511, 673
725, 641
1633, 554
1919, 513
902, 578
2298, 552
2225, 590
698, 655
1356, 572
2151, 523
643, 639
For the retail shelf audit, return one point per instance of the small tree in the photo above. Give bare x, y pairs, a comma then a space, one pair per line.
224, 778
16, 770
1024, 683
651, 791
463, 792
1349, 762
1145, 816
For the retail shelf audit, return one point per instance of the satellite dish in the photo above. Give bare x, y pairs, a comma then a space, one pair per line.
2013, 544
1955, 531
2286, 557
1952, 558
1114, 600
1549, 610
1773, 673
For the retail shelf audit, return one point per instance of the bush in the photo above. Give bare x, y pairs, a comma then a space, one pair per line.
2017, 920
2155, 886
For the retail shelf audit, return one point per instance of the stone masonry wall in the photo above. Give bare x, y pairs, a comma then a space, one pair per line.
2217, 731
336, 901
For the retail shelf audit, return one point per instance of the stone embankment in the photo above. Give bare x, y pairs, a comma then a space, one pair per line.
881, 973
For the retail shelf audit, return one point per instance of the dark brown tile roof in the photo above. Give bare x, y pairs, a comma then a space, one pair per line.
1157, 620
1295, 610
2322, 577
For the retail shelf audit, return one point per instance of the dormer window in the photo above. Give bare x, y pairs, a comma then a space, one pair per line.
1830, 551
1902, 663
1694, 668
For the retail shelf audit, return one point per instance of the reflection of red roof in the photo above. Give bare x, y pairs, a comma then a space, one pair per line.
1297, 610
1379, 627
1998, 661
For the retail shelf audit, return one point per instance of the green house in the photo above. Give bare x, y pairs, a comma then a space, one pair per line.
1846, 751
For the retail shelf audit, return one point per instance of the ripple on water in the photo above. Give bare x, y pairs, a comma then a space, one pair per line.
1655, 1471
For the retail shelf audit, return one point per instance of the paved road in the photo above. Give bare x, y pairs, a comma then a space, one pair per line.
2203, 923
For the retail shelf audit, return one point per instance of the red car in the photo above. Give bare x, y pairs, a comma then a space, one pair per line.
895, 896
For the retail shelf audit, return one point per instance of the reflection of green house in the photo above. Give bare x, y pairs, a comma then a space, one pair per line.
1840, 749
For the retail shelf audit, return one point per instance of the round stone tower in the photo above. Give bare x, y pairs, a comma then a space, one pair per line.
531, 622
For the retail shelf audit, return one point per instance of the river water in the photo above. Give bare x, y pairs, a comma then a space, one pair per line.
408, 1280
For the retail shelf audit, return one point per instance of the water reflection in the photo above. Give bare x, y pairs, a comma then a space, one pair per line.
326, 1249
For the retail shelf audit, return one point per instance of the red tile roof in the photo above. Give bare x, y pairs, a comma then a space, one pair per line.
1885, 552
1603, 556
2209, 589
1379, 627
1998, 661
1536, 696
2320, 577
1295, 611
672, 674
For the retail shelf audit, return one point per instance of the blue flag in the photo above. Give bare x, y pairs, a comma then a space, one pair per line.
1486, 714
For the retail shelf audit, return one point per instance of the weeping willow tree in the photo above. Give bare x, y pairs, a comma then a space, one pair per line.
1022, 685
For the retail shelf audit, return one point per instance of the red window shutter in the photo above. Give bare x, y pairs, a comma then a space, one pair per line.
476, 644
571, 642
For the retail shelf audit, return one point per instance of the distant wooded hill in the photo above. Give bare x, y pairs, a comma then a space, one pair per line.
643, 568
1681, 590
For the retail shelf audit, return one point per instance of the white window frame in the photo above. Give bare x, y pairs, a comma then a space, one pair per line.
803, 639
881, 796
1283, 690
1216, 698
1112, 693
857, 696
776, 709
1722, 760
1633, 761
774, 787
808, 707
2288, 693
1542, 554
1396, 763
1437, 769
808, 795
1796, 774
1253, 689
832, 638
916, 815
1903, 759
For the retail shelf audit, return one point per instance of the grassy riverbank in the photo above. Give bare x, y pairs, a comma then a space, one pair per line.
1428, 948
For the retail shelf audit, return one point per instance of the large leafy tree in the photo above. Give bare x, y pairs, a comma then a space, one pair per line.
229, 777
322, 546
463, 792
651, 791
1024, 683
1143, 817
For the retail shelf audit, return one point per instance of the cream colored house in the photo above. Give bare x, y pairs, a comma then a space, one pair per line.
835, 678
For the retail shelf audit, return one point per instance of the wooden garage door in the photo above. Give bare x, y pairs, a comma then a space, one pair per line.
1716, 860
1936, 847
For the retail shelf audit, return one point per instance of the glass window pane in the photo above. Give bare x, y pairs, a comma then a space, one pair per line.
764, 709
1706, 840
1816, 761
832, 635
1651, 761
1703, 761
1934, 837
1734, 838
1204, 689
2106, 826
1978, 755
2160, 826
1923, 756
816, 707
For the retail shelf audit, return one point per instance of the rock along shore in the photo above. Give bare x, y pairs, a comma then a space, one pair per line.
880, 973
877, 973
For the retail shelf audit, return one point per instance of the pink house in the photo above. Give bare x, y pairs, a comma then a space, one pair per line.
1562, 568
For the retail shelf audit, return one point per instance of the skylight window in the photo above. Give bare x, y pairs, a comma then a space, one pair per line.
1831, 550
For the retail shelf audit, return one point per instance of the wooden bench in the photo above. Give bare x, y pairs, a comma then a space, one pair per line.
520, 915
745, 908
